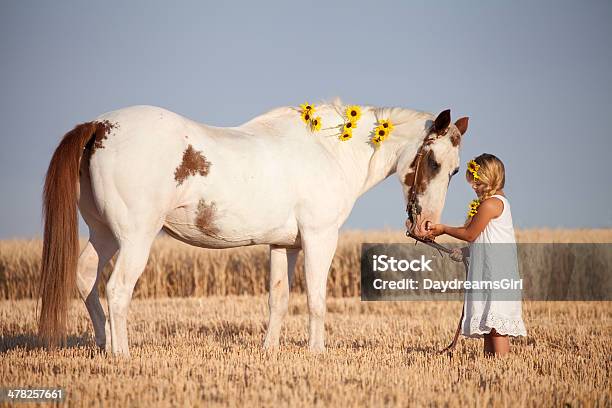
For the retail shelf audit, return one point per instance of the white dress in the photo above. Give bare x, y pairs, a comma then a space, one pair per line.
483, 310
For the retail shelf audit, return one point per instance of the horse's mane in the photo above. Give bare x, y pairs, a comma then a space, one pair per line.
397, 115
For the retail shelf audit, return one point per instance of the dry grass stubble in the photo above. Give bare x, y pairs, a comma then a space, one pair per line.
192, 351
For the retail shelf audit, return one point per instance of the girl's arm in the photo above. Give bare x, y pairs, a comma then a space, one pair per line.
487, 210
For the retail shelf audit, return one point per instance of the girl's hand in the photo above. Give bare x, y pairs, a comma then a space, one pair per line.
435, 229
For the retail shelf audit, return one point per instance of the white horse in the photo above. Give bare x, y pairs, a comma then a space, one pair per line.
272, 180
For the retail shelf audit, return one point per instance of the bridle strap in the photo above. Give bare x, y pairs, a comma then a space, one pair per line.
412, 207
418, 158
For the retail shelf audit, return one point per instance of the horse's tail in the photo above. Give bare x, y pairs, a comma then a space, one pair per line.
61, 239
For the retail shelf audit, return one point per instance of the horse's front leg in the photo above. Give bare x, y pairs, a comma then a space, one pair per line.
319, 248
282, 267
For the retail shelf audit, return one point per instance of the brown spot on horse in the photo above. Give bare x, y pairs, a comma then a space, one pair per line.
205, 218
193, 163
101, 132
428, 168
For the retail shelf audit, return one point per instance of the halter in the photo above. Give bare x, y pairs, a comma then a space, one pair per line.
413, 208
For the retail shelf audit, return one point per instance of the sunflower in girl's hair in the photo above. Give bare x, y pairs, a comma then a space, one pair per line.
473, 168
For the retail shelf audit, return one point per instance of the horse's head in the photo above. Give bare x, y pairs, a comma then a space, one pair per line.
425, 177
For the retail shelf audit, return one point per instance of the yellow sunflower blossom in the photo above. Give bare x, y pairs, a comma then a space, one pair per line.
346, 135
350, 125
473, 208
306, 116
381, 132
377, 140
315, 123
308, 107
353, 113
387, 124
473, 166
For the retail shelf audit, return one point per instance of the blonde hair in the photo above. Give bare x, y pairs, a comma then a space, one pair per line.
491, 173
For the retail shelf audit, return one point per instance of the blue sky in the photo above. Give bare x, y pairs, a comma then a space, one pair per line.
534, 78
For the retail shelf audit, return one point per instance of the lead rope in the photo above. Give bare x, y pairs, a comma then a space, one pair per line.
441, 248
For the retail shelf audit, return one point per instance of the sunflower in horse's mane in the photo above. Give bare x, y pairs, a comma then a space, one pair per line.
307, 107
315, 123
349, 126
382, 131
346, 135
307, 112
306, 116
387, 124
352, 114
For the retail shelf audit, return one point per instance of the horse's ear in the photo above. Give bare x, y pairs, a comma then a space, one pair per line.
442, 122
462, 124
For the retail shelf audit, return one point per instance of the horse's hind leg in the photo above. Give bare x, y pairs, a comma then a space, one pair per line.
131, 261
96, 254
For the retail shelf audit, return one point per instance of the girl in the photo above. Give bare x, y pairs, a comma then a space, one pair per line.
489, 222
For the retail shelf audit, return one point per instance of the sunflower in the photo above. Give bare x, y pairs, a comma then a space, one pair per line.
349, 126
306, 116
376, 140
473, 208
353, 113
308, 107
315, 123
381, 132
473, 166
387, 124
346, 134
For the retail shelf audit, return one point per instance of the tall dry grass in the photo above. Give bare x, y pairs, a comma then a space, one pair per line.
176, 269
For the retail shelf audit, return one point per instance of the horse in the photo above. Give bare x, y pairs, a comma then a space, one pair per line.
273, 180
